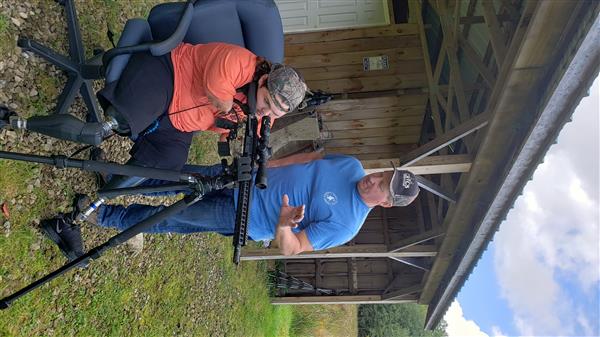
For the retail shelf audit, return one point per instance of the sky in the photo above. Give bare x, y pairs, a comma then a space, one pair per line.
540, 276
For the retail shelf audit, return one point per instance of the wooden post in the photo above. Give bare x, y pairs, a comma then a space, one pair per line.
342, 299
368, 250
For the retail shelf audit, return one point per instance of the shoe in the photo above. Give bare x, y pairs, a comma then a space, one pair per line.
5, 114
67, 235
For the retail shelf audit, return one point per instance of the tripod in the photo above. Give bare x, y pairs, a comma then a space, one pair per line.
238, 173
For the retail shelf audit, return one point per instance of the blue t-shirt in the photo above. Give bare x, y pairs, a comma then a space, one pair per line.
334, 210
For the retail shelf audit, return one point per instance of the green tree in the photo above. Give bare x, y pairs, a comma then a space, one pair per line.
395, 320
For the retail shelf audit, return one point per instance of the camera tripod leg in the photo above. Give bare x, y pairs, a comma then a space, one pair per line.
96, 252
115, 182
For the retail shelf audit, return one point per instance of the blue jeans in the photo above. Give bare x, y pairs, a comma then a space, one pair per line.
214, 213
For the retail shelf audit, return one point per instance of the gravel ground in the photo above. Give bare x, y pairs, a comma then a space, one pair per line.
31, 86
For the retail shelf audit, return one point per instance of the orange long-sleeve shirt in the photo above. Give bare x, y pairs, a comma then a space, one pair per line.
218, 68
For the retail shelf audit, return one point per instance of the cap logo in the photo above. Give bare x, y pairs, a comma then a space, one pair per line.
406, 180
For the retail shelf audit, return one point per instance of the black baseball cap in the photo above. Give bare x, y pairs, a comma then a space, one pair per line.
403, 187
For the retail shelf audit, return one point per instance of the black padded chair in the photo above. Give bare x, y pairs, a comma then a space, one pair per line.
253, 24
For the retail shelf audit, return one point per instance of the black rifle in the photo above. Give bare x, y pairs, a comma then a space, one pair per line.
254, 150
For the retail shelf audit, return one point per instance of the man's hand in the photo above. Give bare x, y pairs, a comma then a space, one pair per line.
290, 216
223, 106
291, 243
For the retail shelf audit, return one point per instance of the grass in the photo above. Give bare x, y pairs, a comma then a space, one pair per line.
178, 285
324, 321
5, 41
3, 24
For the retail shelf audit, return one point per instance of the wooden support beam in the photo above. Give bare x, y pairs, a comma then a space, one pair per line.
330, 116
415, 240
440, 191
439, 65
353, 275
402, 292
420, 216
444, 140
477, 61
349, 34
412, 261
432, 207
437, 72
455, 6
391, 283
386, 240
512, 14
437, 120
470, 10
384, 102
469, 20
497, 38
440, 208
317, 275
469, 88
449, 108
368, 250
457, 163
413, 10
396, 139
450, 29
342, 299
355, 57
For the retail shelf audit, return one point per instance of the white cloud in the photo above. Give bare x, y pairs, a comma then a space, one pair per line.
458, 325
496, 332
554, 231
585, 324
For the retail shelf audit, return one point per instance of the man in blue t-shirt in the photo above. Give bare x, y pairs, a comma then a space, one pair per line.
312, 203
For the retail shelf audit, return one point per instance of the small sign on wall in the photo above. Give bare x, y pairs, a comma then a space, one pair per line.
375, 63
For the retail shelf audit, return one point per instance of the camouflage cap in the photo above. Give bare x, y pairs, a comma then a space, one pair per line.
287, 84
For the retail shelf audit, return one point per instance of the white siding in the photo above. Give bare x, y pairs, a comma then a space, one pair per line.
311, 15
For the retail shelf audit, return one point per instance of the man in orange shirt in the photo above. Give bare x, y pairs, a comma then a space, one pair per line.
161, 100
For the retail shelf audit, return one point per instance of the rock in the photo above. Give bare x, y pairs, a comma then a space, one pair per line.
33, 92
16, 22
136, 244
23, 15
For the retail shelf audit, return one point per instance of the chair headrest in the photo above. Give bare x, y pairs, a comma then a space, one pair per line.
253, 24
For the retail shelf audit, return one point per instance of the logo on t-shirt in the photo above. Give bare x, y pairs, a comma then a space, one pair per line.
330, 198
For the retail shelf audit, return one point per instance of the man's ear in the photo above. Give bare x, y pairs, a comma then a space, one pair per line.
386, 204
262, 80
